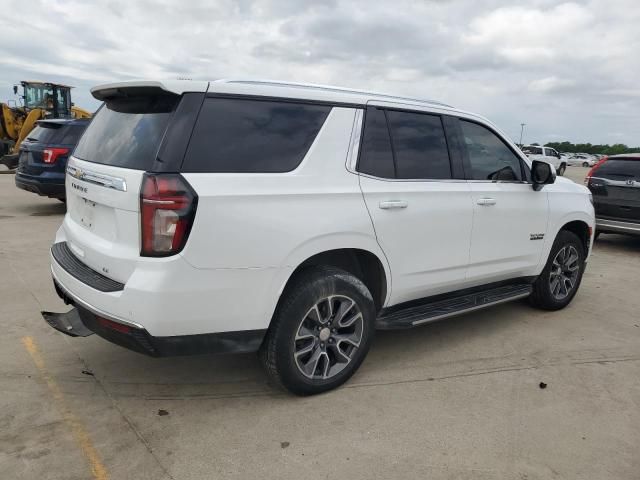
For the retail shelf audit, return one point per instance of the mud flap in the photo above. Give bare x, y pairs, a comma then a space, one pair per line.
68, 323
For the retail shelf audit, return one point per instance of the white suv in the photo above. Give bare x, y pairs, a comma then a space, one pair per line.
294, 220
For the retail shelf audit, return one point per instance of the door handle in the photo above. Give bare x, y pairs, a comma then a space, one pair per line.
389, 204
486, 202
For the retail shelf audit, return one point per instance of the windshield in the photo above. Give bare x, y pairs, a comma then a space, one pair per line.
532, 150
38, 96
56, 100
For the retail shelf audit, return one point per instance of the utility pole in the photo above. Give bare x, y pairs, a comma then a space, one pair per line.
521, 131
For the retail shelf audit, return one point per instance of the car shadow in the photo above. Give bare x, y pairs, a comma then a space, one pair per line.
127, 374
618, 243
53, 208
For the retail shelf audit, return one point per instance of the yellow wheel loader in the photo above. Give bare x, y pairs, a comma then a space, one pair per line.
40, 100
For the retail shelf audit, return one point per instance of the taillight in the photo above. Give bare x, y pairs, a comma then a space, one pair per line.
167, 207
593, 169
50, 155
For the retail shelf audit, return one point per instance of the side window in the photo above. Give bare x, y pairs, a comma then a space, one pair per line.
489, 157
376, 158
419, 146
244, 136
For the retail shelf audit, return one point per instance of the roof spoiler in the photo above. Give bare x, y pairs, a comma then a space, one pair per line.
113, 91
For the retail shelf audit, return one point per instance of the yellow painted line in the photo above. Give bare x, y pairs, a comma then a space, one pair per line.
80, 434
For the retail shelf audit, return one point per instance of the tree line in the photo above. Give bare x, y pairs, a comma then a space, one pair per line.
568, 147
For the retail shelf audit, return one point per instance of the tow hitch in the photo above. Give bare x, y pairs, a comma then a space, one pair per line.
68, 323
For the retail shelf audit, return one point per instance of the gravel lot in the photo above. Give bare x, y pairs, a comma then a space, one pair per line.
456, 399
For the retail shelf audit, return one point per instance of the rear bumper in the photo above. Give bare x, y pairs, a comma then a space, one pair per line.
606, 225
175, 303
53, 188
83, 321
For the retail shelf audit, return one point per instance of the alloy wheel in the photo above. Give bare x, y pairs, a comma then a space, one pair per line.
564, 272
328, 337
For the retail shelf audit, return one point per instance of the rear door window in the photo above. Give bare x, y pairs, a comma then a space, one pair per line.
127, 132
376, 157
419, 146
251, 136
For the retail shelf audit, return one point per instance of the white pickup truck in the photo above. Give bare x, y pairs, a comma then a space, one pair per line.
546, 154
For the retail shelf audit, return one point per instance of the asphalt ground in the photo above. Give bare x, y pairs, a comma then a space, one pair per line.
458, 399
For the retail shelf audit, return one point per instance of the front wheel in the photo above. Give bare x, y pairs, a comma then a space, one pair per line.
559, 281
585, 164
321, 331
562, 169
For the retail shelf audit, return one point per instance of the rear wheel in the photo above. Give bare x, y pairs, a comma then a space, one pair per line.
321, 331
559, 281
585, 164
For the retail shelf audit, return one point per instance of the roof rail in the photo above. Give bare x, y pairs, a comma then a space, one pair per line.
328, 88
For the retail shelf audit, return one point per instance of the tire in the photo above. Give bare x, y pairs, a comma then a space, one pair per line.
549, 295
585, 164
561, 170
304, 312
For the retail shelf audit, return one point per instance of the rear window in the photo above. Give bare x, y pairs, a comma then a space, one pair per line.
127, 132
72, 134
250, 136
620, 169
56, 134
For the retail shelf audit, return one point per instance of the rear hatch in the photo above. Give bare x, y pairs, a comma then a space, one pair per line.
105, 174
59, 137
615, 186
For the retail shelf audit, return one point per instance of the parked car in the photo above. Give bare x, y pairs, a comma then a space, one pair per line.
583, 159
615, 185
294, 220
546, 154
43, 156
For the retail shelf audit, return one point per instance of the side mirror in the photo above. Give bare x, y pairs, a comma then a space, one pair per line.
542, 174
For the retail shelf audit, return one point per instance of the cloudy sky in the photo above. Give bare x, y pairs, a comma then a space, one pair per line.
569, 70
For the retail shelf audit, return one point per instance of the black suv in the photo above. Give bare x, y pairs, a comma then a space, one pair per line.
615, 185
44, 153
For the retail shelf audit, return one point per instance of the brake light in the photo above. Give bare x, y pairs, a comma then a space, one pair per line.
593, 169
167, 208
50, 155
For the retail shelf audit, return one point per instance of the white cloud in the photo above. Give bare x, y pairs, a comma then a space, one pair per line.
550, 84
567, 69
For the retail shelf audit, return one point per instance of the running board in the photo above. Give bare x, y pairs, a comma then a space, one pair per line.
456, 305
